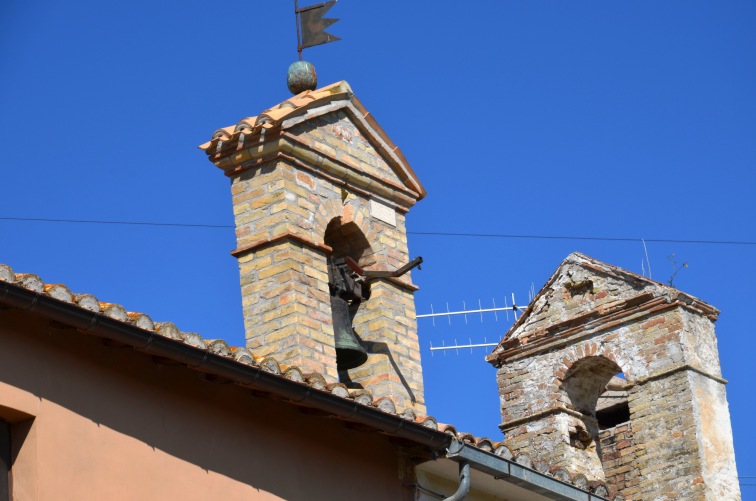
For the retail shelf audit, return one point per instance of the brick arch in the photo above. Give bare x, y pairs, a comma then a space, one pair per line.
325, 213
572, 356
592, 349
624, 354
351, 216
586, 379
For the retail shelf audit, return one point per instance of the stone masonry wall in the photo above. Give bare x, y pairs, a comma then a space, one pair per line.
663, 410
666, 452
678, 443
617, 458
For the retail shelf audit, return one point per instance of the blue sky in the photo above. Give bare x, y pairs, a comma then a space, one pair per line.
600, 119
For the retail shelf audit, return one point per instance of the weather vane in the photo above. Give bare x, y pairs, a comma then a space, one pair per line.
311, 26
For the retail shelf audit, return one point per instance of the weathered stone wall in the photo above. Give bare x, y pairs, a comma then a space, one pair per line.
589, 324
617, 458
290, 216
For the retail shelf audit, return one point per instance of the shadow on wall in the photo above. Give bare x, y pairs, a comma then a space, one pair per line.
220, 428
382, 348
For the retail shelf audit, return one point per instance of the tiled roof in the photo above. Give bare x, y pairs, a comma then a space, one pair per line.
251, 130
274, 116
316, 381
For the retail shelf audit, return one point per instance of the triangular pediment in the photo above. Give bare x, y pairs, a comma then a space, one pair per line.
340, 135
330, 123
581, 288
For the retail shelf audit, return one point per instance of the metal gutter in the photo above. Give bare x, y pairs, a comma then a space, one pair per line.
151, 343
509, 471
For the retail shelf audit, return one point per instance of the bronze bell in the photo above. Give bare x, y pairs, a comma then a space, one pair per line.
349, 351
347, 290
349, 285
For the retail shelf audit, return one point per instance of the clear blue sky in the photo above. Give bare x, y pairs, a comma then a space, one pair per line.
580, 118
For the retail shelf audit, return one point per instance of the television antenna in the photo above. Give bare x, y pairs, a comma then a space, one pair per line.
480, 311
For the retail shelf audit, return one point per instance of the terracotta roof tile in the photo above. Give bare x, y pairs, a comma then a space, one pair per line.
234, 138
167, 329
88, 302
484, 444
427, 421
385, 404
275, 115
218, 347
193, 339
31, 282
114, 311
141, 320
503, 451
294, 374
59, 292
314, 380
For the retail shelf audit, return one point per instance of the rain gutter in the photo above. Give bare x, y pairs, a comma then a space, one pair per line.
154, 344
510, 471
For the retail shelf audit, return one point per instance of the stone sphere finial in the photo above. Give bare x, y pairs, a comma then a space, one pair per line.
301, 77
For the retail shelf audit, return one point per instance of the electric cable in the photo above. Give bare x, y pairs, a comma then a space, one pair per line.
420, 233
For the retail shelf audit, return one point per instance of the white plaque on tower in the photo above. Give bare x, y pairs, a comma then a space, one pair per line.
383, 212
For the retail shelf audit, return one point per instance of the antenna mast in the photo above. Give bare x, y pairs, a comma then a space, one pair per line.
480, 311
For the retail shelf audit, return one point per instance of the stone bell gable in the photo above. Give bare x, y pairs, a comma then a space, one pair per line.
659, 431
315, 180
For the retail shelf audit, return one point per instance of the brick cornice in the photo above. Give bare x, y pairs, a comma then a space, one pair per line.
674, 370
325, 167
398, 282
546, 412
590, 323
294, 148
279, 239
507, 425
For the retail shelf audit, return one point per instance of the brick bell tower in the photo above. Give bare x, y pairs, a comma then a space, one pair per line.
660, 431
320, 195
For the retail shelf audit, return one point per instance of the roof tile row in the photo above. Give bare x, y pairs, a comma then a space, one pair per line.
269, 364
274, 116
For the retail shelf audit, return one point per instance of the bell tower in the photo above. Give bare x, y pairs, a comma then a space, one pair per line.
320, 194
614, 376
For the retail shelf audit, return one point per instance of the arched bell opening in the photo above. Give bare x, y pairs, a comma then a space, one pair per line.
612, 407
595, 386
348, 240
348, 289
583, 384
586, 381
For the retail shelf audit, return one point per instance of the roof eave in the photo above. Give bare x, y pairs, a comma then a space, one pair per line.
252, 377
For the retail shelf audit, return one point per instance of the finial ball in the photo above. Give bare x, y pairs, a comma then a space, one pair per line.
301, 77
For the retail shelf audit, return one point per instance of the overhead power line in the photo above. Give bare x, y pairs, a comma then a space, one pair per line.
422, 233
564, 237
134, 223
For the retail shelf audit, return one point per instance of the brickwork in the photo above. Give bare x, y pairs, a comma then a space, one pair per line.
388, 327
590, 322
307, 192
617, 457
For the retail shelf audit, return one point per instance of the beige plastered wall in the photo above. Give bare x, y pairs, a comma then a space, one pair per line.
94, 422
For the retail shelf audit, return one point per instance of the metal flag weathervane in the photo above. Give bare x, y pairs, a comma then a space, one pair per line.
311, 25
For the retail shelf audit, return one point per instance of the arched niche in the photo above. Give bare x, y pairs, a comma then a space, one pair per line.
348, 240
